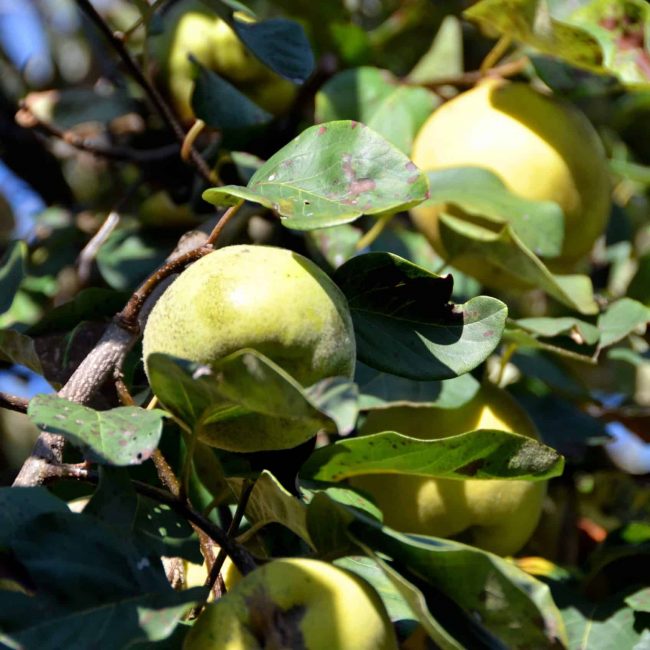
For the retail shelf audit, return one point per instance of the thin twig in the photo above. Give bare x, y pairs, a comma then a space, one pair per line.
154, 96
509, 69
13, 402
90, 250
26, 118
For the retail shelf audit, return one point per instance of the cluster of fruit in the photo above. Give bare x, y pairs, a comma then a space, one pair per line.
282, 305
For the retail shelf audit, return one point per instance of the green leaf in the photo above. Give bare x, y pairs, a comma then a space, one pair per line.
278, 43
507, 254
339, 399
331, 174
18, 348
20, 505
371, 571
126, 435
243, 384
270, 503
405, 324
445, 56
379, 100
481, 454
491, 588
538, 224
220, 105
620, 319
581, 331
12, 272
379, 390
640, 600
114, 501
531, 23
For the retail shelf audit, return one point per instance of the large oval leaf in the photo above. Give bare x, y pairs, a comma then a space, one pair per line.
331, 174
405, 324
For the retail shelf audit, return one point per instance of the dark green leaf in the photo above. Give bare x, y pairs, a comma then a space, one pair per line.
539, 224
478, 454
220, 105
405, 324
19, 506
280, 44
12, 272
377, 99
114, 501
331, 174
126, 435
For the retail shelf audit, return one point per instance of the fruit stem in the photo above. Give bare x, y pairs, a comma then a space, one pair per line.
221, 224
495, 54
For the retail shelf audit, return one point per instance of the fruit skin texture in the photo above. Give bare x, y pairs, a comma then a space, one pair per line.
496, 515
540, 147
295, 603
269, 299
190, 28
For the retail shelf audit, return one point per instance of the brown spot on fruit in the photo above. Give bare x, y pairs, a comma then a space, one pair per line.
273, 627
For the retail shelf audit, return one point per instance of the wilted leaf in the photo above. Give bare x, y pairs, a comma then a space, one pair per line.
126, 435
331, 174
405, 324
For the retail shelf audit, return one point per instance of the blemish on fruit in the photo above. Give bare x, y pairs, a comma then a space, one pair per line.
322, 130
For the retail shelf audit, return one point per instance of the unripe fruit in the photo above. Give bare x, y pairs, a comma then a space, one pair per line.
496, 515
269, 299
295, 603
542, 149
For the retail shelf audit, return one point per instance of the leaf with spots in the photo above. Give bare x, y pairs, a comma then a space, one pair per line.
331, 174
481, 454
406, 325
126, 435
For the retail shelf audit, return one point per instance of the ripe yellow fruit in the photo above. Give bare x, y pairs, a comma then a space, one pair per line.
542, 149
269, 299
496, 515
295, 603
190, 28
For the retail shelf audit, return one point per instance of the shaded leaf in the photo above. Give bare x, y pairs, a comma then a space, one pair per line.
580, 330
504, 251
114, 501
484, 453
280, 44
220, 105
445, 56
19, 348
20, 505
126, 435
405, 324
331, 174
377, 99
12, 272
538, 224
380, 390
243, 383
339, 399
269, 503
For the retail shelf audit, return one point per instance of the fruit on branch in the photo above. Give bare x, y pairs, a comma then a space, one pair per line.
542, 149
269, 299
497, 515
295, 603
191, 29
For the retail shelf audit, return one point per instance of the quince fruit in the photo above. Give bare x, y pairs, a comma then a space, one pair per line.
494, 514
542, 148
